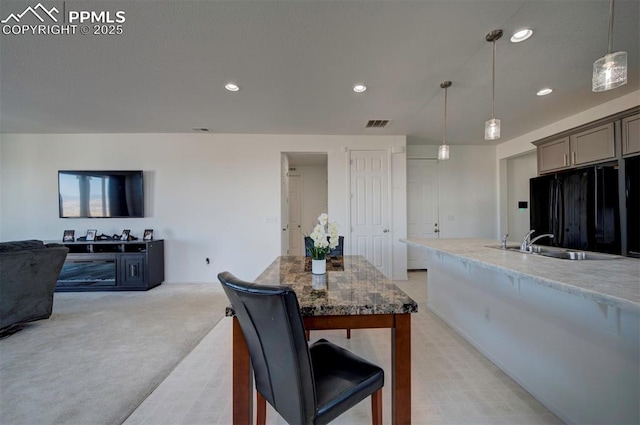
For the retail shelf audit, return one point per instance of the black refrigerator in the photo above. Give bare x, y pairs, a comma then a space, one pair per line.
580, 207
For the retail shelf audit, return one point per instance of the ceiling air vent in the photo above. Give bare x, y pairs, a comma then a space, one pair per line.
377, 123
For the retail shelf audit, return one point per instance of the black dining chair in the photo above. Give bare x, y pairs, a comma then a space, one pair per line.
338, 251
304, 384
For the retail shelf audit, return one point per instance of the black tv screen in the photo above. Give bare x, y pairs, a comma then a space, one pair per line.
100, 194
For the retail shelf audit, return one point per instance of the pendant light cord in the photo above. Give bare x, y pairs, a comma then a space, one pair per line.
610, 27
444, 142
493, 98
445, 85
493, 36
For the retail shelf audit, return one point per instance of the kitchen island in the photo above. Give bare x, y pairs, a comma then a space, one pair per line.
568, 331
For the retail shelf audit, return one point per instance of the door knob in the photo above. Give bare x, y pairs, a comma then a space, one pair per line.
436, 231
385, 230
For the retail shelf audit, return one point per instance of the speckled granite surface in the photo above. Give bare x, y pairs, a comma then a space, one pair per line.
614, 282
358, 289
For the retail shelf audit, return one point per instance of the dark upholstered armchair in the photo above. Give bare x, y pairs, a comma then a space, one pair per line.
28, 274
304, 384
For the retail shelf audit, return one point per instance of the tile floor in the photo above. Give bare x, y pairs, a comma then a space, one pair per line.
452, 382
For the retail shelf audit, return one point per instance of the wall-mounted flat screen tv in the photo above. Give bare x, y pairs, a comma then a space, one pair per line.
100, 194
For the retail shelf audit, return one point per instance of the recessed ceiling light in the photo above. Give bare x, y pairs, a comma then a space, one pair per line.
359, 88
544, 92
231, 87
521, 35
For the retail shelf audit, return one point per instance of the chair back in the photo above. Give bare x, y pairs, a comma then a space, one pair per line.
274, 331
338, 251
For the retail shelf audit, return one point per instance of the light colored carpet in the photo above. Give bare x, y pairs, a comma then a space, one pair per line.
101, 354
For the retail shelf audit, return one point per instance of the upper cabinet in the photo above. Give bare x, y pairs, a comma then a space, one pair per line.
592, 145
608, 139
595, 144
631, 134
553, 155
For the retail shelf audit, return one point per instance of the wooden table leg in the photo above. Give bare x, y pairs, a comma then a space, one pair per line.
242, 378
401, 374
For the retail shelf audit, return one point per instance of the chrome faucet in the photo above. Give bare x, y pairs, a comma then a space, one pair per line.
504, 241
527, 242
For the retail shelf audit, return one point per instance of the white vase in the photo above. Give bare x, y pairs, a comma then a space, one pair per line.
319, 266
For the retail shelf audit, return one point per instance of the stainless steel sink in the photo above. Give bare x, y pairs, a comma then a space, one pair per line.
533, 249
566, 255
579, 255
563, 254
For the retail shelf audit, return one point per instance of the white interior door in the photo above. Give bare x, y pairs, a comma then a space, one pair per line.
422, 208
370, 233
284, 204
296, 247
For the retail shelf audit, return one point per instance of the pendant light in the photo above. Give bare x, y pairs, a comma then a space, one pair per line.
492, 126
443, 150
610, 71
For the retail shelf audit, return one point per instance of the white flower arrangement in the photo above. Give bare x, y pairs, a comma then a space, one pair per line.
325, 237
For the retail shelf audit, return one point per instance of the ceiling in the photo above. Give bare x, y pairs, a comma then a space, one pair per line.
297, 61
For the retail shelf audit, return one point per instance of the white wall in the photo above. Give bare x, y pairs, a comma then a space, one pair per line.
467, 190
519, 170
196, 184
207, 195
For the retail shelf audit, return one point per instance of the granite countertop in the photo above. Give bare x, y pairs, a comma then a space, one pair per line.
350, 287
614, 282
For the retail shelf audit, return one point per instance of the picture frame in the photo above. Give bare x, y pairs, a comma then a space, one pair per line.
147, 235
69, 236
91, 234
125, 235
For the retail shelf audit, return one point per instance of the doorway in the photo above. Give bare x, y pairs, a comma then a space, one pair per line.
422, 207
369, 208
306, 197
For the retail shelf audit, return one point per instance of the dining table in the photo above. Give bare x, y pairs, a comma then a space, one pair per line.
352, 294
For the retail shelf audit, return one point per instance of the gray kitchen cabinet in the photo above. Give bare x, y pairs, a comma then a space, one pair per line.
595, 144
553, 155
631, 134
588, 146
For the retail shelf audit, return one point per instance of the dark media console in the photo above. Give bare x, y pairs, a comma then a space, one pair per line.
112, 266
